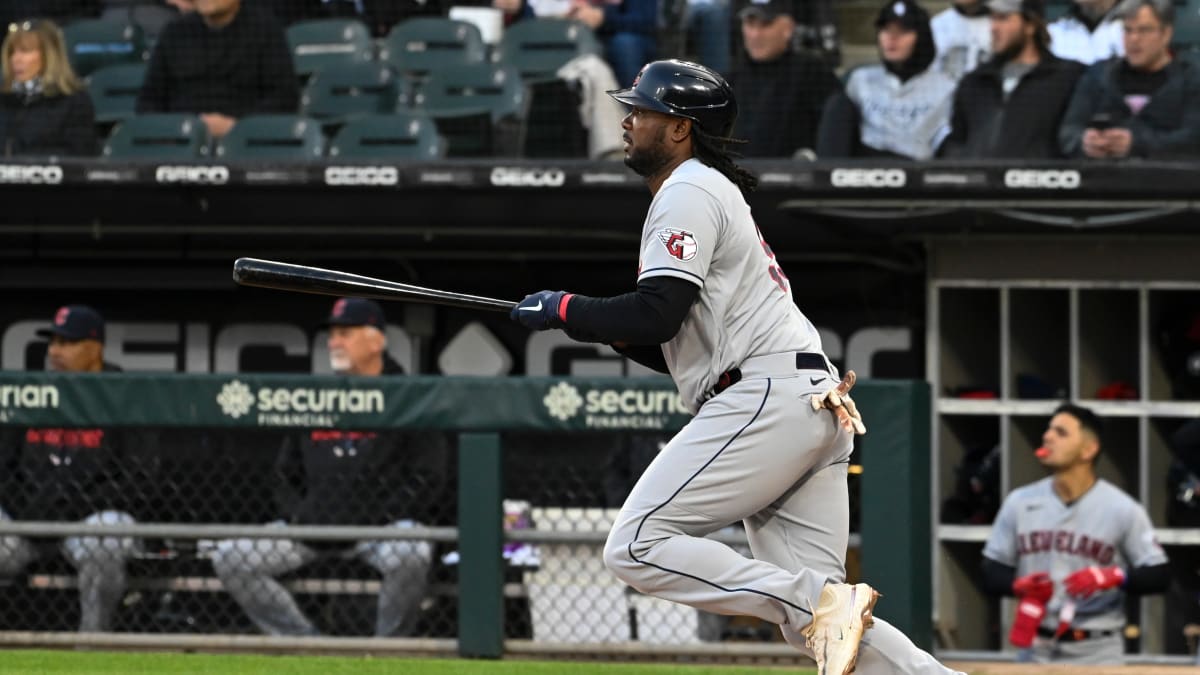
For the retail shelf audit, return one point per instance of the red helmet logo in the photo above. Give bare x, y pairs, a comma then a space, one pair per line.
60, 317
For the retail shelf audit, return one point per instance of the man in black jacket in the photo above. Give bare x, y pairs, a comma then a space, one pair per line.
223, 61
332, 477
1011, 106
73, 474
1146, 104
780, 90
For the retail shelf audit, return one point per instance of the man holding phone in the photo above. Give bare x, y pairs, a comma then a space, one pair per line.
1146, 104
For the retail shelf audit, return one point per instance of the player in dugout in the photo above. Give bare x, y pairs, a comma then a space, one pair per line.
1069, 547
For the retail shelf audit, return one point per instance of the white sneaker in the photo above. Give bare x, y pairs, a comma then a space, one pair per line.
838, 624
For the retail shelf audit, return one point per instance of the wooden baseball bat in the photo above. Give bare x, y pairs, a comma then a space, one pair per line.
304, 279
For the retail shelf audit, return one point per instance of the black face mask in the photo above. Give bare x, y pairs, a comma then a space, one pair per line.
28, 90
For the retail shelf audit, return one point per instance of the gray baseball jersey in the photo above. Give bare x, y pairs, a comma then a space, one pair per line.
909, 118
1036, 532
699, 228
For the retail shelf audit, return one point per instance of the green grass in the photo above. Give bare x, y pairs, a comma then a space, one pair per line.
32, 662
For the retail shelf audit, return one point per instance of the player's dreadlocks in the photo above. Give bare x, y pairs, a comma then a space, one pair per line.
712, 151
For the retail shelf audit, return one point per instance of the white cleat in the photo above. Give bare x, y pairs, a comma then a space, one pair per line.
845, 611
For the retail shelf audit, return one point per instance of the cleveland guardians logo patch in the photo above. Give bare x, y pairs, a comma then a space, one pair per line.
680, 243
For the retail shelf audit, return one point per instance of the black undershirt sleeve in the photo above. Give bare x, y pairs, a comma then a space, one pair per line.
650, 356
651, 315
998, 578
1148, 579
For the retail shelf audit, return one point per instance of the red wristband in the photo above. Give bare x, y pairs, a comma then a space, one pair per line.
562, 306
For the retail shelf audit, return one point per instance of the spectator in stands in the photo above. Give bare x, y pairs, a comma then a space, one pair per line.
1012, 105
899, 108
963, 36
780, 90
626, 27
1144, 105
1089, 32
329, 477
44, 108
223, 61
72, 474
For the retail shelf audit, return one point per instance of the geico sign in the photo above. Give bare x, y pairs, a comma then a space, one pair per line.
34, 174
210, 175
1043, 180
362, 175
869, 178
516, 176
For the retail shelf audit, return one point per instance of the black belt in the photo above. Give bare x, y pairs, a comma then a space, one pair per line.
1075, 634
804, 361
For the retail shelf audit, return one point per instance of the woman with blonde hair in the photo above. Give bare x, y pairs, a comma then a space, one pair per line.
44, 108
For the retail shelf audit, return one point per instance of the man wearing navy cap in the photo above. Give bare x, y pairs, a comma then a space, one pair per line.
335, 477
73, 474
76, 341
779, 89
357, 344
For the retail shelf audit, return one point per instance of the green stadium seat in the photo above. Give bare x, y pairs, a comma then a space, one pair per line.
537, 48
422, 44
95, 43
288, 138
114, 91
322, 43
339, 92
163, 137
391, 137
1056, 9
480, 108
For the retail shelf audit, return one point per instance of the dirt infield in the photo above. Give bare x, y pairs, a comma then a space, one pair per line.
1031, 668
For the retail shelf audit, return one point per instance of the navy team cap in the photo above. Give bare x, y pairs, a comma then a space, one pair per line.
355, 312
76, 322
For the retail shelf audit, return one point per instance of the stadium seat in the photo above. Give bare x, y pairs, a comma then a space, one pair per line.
166, 137
1187, 26
339, 92
273, 137
322, 43
114, 91
94, 43
1056, 9
479, 108
422, 44
390, 137
537, 48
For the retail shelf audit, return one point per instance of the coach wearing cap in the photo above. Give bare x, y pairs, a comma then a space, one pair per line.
780, 90
1011, 106
76, 341
60, 474
342, 477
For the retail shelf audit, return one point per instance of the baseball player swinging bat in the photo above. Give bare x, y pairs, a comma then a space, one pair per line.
304, 279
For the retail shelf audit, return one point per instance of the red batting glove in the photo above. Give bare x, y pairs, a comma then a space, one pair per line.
1025, 624
1091, 579
1037, 586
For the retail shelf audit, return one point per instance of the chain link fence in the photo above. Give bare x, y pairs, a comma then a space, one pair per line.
250, 532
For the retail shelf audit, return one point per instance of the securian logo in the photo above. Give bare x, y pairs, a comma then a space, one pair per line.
563, 401
235, 399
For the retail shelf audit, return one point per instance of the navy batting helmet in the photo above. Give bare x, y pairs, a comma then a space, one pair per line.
685, 89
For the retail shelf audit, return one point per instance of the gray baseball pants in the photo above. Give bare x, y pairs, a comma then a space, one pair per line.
248, 567
1104, 651
757, 453
100, 562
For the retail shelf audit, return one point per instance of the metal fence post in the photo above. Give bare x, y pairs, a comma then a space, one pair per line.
896, 521
481, 540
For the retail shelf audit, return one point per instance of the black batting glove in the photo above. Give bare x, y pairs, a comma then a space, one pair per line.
542, 310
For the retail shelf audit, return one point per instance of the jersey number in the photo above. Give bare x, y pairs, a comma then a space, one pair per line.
773, 270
